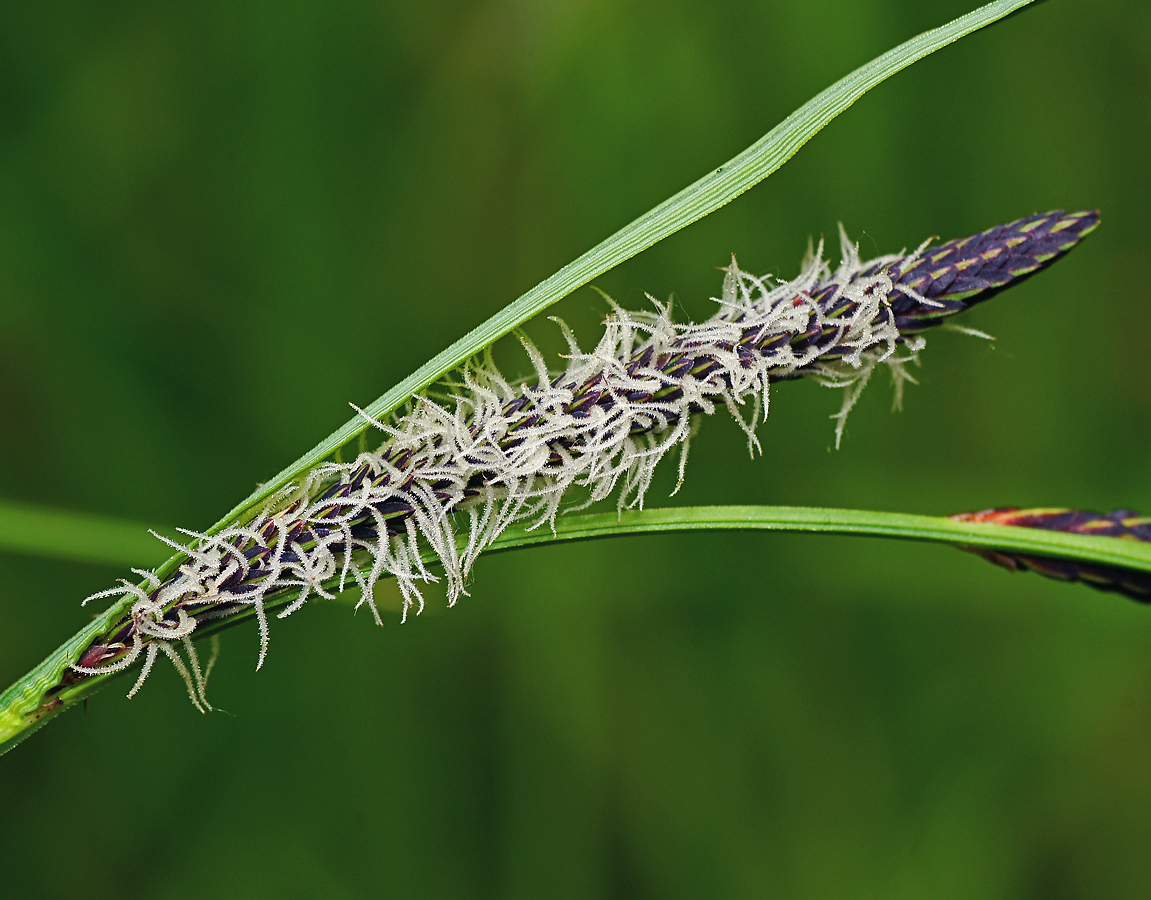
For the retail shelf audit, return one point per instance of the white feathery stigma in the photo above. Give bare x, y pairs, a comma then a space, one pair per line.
458, 467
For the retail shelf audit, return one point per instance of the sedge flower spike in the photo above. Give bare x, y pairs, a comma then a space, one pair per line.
1125, 524
457, 467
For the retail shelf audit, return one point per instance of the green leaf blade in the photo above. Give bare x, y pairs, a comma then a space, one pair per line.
709, 193
78, 537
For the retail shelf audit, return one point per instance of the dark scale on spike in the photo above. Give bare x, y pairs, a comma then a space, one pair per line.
1123, 523
1019, 248
924, 289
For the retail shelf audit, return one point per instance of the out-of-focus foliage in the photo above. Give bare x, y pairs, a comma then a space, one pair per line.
240, 212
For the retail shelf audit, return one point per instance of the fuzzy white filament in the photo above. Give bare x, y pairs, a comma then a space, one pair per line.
485, 452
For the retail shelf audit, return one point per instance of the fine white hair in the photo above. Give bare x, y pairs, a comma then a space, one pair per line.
463, 463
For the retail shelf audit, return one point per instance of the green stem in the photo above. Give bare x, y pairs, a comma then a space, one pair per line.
37, 697
937, 529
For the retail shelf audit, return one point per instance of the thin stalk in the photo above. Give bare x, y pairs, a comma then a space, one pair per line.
24, 707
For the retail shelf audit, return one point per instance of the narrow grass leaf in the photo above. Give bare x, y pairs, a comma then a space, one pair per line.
78, 537
709, 193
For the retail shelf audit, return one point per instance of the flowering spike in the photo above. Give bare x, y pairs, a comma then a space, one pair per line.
482, 452
1122, 523
961, 273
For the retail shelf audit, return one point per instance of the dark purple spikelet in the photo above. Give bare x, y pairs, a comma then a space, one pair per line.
945, 280
967, 271
1122, 523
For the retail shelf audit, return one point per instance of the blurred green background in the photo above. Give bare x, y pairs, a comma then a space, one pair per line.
221, 222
